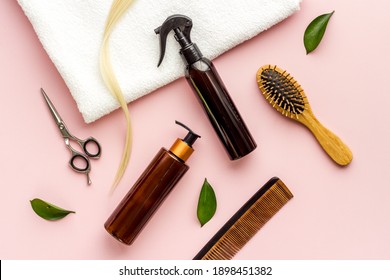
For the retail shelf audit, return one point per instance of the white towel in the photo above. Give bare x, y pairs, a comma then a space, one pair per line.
71, 33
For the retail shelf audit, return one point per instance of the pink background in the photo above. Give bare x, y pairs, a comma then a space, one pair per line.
337, 213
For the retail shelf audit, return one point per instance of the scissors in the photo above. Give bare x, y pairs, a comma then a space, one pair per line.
79, 162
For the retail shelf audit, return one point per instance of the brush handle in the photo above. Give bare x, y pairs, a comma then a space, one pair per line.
331, 143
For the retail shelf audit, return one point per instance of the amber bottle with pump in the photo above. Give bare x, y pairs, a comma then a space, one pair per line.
150, 190
209, 88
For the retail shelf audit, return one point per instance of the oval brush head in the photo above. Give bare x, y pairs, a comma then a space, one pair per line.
285, 94
282, 91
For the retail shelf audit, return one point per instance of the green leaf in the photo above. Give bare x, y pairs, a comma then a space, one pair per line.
207, 204
48, 211
315, 31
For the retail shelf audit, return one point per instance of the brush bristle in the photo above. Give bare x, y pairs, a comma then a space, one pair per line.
281, 90
247, 221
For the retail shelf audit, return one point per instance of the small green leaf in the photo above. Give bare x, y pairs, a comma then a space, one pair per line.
207, 204
48, 211
315, 31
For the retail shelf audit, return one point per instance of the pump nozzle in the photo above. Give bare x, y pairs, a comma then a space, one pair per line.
181, 25
182, 148
191, 136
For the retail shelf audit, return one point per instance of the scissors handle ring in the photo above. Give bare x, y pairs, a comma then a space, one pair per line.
84, 169
96, 143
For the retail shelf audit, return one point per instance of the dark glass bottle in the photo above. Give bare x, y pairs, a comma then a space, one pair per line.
209, 88
150, 190
220, 109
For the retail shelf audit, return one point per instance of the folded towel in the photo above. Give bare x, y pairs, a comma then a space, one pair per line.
71, 32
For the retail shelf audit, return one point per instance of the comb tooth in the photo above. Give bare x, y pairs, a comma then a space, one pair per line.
214, 255
232, 241
222, 250
233, 249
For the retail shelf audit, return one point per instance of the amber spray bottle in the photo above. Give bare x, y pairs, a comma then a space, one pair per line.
150, 190
209, 88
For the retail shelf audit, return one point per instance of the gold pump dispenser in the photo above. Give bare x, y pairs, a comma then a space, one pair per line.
151, 189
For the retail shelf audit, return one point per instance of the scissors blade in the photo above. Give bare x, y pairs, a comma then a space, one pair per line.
53, 110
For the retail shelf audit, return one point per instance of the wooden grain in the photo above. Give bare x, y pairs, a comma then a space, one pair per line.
331, 143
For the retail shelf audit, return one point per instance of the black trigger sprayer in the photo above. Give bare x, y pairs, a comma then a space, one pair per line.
209, 88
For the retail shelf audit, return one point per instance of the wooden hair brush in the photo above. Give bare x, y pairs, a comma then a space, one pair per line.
286, 95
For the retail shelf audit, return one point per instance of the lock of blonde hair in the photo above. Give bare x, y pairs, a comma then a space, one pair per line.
118, 8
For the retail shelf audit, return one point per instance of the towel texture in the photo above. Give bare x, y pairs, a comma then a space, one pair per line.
71, 33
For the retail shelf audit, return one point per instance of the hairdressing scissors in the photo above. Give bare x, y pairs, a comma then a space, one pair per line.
79, 162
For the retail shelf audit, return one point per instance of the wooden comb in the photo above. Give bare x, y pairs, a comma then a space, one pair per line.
246, 222
287, 97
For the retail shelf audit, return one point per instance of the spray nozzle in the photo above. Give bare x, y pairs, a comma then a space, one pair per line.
181, 25
191, 136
